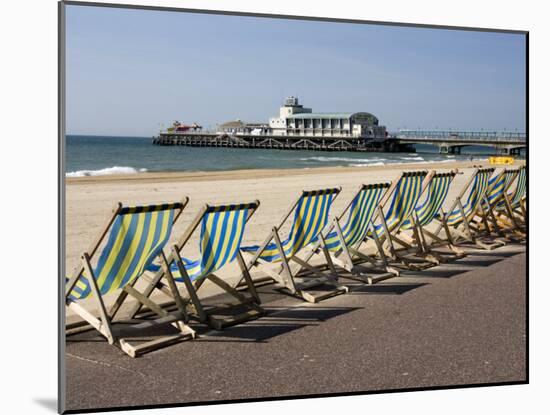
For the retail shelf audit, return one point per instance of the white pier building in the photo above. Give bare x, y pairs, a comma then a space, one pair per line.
296, 120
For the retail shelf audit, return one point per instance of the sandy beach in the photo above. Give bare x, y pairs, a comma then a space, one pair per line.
90, 199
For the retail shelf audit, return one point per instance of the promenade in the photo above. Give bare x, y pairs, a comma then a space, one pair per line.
455, 324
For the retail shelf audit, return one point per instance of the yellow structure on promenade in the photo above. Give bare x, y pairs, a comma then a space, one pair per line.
501, 160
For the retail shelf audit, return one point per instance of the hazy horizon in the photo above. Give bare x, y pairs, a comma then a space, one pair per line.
131, 71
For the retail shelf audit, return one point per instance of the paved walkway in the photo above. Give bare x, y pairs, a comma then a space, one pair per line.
459, 323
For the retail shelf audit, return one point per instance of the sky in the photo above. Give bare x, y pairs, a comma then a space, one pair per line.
131, 72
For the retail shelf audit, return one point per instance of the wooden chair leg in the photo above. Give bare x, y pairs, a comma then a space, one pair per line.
191, 290
286, 275
96, 292
248, 278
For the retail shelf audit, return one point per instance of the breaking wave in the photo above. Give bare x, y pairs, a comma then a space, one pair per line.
105, 172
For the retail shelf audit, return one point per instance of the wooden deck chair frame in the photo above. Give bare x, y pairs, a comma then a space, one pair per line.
483, 222
288, 276
509, 218
497, 224
521, 209
350, 256
464, 231
197, 309
104, 323
418, 243
391, 239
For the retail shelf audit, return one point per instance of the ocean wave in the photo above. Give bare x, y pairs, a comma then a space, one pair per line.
348, 159
377, 163
412, 158
105, 172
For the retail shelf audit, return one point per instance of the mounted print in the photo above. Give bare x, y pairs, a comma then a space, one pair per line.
271, 207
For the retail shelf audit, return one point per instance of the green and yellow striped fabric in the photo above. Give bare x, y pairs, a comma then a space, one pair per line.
477, 192
361, 211
435, 196
310, 217
405, 197
222, 230
137, 236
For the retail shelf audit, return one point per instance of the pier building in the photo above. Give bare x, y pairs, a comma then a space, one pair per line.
296, 120
239, 127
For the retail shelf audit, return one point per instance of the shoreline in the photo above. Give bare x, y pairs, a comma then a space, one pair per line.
243, 174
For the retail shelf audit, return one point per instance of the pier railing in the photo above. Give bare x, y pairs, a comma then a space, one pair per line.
447, 141
487, 136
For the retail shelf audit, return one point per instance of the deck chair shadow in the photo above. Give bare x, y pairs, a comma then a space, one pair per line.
278, 259
344, 240
137, 236
221, 232
457, 221
424, 215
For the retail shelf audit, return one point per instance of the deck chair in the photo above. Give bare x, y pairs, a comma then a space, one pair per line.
457, 220
511, 210
497, 187
221, 233
424, 215
405, 193
137, 236
344, 239
273, 257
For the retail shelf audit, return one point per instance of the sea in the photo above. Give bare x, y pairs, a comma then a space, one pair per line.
104, 155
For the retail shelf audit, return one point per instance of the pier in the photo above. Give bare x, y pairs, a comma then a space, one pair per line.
448, 142
318, 143
452, 142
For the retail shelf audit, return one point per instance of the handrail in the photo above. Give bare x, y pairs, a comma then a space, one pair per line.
492, 136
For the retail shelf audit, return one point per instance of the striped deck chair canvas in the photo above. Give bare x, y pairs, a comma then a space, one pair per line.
511, 208
221, 232
518, 198
496, 190
137, 236
405, 193
344, 239
424, 215
457, 220
274, 256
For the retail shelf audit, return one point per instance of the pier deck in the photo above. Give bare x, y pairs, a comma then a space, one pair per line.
319, 143
446, 141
